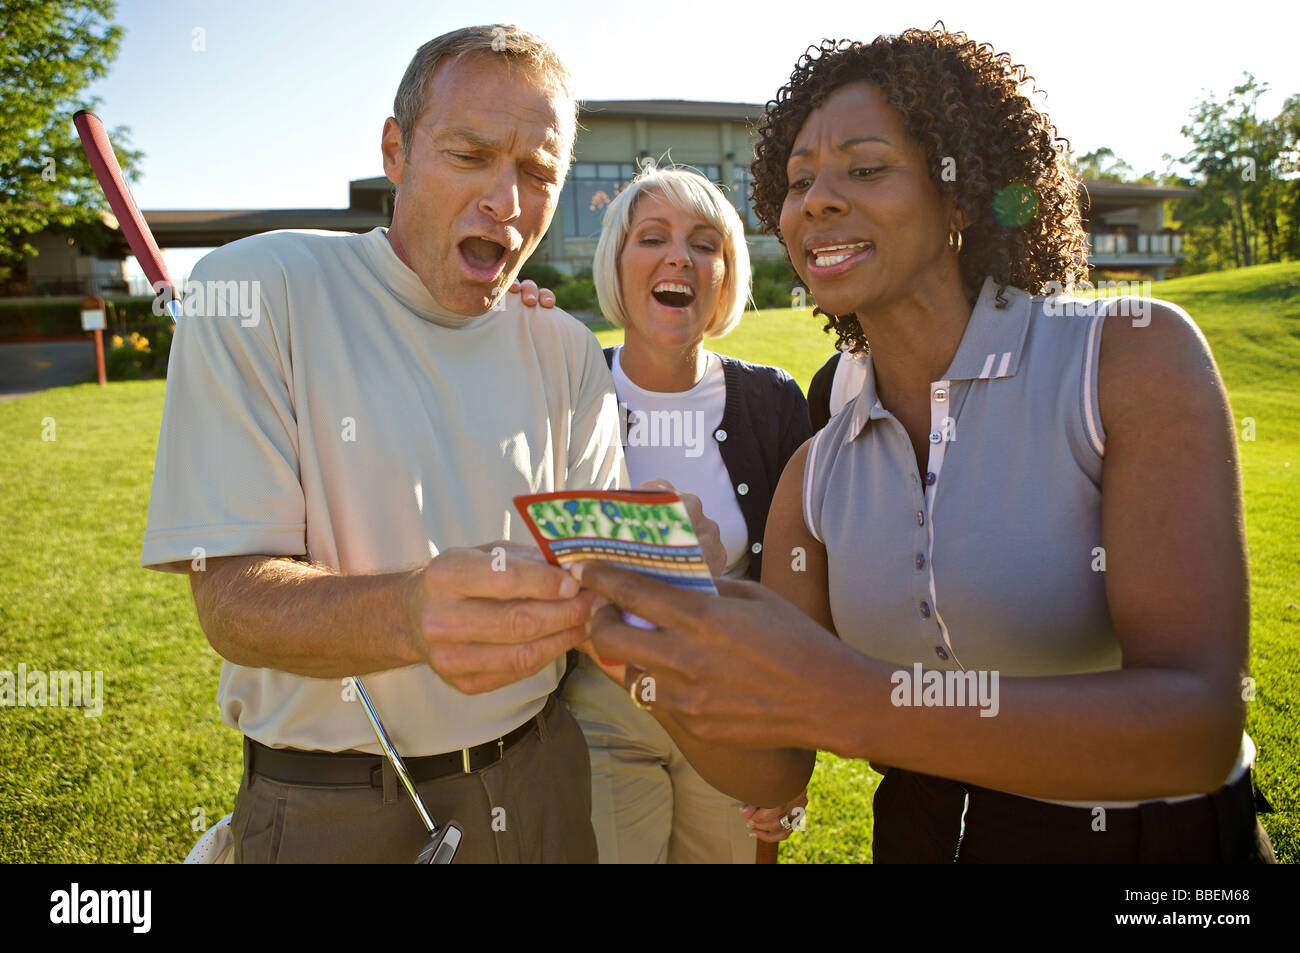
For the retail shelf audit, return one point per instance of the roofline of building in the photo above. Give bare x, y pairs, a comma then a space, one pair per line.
1095, 188
1101, 188
1107, 187
172, 215
669, 109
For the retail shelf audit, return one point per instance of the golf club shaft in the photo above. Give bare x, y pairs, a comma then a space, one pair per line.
394, 758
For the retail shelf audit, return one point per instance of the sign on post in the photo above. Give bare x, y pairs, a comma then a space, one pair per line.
92, 319
92, 313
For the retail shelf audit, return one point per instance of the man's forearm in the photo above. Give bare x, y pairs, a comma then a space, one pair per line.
265, 612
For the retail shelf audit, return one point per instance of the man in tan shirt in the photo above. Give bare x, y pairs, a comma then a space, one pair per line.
335, 464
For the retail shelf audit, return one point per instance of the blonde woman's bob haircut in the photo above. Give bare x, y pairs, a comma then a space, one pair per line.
695, 195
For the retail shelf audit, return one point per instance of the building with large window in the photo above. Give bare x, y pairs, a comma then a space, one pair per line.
617, 136
1126, 227
1126, 222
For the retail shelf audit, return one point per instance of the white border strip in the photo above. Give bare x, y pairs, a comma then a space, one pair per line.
809, 472
1006, 362
1094, 431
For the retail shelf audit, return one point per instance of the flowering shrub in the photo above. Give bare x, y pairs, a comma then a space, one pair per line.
128, 357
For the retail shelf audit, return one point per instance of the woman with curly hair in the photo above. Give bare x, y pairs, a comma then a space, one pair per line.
1017, 580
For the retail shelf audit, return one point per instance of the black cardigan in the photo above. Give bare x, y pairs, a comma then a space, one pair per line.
819, 393
764, 422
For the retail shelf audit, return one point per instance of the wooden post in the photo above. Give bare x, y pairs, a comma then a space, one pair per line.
92, 319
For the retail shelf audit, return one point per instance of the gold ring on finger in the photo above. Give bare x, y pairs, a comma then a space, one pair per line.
632, 693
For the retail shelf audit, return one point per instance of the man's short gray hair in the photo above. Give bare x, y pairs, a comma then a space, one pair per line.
503, 40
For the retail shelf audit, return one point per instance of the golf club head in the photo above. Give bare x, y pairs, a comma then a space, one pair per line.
442, 847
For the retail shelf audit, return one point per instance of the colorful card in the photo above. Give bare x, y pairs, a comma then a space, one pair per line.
647, 531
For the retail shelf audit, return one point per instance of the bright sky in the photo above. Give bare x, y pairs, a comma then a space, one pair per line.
283, 103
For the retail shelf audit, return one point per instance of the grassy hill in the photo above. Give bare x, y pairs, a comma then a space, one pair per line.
133, 783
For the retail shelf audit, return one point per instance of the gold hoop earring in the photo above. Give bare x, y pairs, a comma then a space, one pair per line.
955, 243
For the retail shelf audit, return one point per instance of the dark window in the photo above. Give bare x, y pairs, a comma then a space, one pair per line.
587, 192
741, 189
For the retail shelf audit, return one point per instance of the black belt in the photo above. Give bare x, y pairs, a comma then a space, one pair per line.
292, 766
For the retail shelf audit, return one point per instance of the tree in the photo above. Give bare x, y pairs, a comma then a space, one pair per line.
1243, 167
1287, 183
1103, 164
49, 53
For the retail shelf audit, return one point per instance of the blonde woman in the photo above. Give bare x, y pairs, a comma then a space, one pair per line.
671, 269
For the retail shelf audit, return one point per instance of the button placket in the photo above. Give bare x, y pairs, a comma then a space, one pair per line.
941, 426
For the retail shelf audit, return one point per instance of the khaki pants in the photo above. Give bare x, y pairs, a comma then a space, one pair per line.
648, 805
532, 806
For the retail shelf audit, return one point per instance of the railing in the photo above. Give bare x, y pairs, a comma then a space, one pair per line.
1140, 245
46, 285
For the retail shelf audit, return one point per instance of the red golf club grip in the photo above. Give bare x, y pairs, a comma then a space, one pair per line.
94, 139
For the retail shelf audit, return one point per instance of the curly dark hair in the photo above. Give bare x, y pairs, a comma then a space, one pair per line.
960, 102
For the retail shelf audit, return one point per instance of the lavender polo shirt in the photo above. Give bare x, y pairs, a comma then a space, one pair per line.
990, 560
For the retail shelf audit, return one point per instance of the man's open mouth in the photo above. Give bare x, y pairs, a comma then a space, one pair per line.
672, 294
483, 257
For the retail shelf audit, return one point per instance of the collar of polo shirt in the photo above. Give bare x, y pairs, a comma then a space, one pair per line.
990, 349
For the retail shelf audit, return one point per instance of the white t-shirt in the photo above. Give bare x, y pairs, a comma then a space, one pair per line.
670, 436
357, 422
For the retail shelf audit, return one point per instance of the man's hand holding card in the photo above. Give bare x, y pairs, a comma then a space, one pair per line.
653, 530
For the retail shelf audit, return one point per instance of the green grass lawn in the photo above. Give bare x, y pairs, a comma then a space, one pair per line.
126, 786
